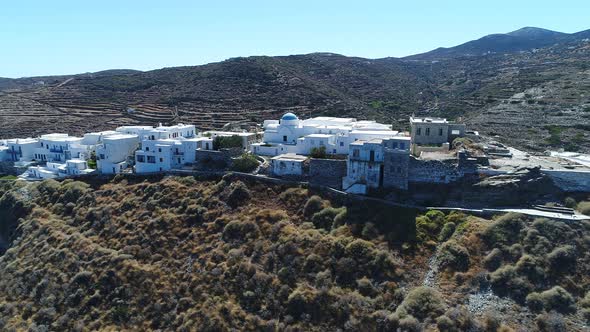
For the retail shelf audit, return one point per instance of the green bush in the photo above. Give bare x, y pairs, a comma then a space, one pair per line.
238, 230
535, 302
227, 142
562, 259
531, 267
319, 153
313, 205
453, 256
505, 230
506, 281
236, 194
422, 302
325, 218
493, 260
570, 202
558, 299
447, 231
584, 208
551, 322
246, 163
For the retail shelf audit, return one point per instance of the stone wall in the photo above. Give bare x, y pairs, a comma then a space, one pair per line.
327, 172
570, 181
395, 169
7, 167
433, 171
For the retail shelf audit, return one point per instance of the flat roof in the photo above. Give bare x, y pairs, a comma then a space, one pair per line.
290, 157
319, 135
119, 136
428, 120
22, 140
231, 133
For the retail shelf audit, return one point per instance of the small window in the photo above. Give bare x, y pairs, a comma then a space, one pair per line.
440, 132
356, 153
419, 131
341, 143
161, 159
427, 131
159, 149
147, 148
284, 138
402, 146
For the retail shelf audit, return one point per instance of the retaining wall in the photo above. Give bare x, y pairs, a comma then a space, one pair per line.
570, 180
327, 172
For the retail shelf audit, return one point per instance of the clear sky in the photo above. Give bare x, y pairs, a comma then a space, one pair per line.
65, 37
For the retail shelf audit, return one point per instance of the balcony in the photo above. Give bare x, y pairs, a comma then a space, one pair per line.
178, 153
56, 150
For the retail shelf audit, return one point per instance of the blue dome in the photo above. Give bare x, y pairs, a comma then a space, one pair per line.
289, 116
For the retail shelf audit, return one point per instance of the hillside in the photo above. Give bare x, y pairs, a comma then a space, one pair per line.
221, 254
534, 97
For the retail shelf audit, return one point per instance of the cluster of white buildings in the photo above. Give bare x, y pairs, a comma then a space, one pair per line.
150, 149
375, 154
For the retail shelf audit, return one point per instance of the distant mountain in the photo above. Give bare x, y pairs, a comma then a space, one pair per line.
536, 100
524, 39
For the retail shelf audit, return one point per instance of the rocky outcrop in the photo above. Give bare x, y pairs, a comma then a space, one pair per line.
522, 186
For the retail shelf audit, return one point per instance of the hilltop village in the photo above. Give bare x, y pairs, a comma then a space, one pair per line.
343, 153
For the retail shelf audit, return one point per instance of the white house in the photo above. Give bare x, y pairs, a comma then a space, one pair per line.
160, 132
364, 166
113, 153
61, 147
165, 154
292, 135
54, 170
21, 149
288, 164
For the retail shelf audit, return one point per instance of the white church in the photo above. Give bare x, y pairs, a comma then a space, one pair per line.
292, 135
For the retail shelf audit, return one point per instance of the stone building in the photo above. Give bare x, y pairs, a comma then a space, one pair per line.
396, 155
431, 134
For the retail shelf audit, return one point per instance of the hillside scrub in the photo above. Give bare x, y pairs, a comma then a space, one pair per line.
185, 254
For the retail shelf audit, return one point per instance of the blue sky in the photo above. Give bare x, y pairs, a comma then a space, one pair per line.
66, 37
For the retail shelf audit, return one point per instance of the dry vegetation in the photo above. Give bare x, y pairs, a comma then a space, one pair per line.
212, 255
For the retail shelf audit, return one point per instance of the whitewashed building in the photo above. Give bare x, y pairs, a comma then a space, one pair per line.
159, 132
292, 135
20, 149
61, 147
288, 164
114, 152
54, 170
165, 154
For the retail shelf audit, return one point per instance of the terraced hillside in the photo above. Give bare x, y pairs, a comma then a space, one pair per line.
536, 99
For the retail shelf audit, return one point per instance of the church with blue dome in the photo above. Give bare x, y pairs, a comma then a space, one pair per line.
290, 134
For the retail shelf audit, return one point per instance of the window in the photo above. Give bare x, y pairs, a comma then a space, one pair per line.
153, 137
394, 145
402, 146
341, 143
147, 148
101, 156
356, 153
399, 170
440, 131
284, 138
159, 149
161, 160
151, 159
41, 144
140, 158
321, 143
334, 151
419, 131
427, 131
